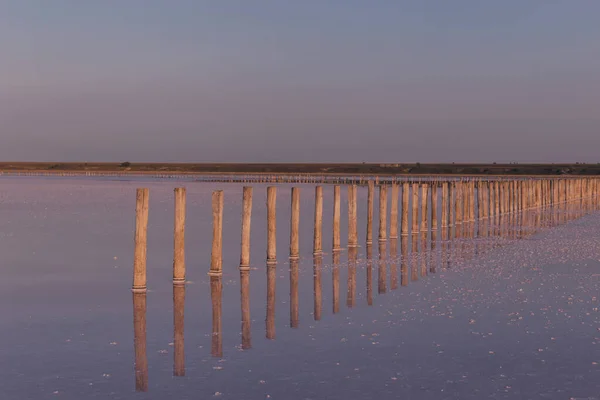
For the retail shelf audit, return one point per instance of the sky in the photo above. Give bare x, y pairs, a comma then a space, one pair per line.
300, 81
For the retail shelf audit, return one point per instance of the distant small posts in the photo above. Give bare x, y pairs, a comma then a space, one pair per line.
318, 230
141, 238
336, 218
295, 225
271, 225
352, 231
179, 237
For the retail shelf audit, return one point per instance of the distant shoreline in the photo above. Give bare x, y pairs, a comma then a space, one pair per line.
387, 169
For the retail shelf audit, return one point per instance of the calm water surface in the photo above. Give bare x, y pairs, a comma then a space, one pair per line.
517, 321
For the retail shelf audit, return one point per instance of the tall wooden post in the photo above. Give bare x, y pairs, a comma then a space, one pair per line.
318, 232
179, 237
271, 225
295, 225
352, 229
336, 218
382, 213
394, 212
141, 237
370, 199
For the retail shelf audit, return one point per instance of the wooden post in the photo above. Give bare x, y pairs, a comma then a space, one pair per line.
178, 329
141, 236
382, 213
415, 208
405, 201
394, 212
424, 207
445, 201
336, 218
295, 225
271, 225
370, 199
216, 258
352, 231
318, 233
434, 206
139, 339
179, 237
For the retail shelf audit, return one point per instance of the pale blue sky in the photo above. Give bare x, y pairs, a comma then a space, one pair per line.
326, 80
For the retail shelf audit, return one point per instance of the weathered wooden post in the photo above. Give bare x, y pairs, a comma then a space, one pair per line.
179, 237
141, 238
139, 338
424, 208
318, 233
405, 200
370, 199
336, 218
382, 213
295, 225
271, 225
445, 205
352, 228
415, 208
434, 206
394, 212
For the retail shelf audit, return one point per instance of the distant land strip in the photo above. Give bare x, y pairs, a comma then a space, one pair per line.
578, 169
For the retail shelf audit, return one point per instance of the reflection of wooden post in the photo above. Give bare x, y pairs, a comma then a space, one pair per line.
294, 314
424, 208
318, 233
295, 224
317, 262
394, 264
382, 213
179, 237
336, 218
270, 320
382, 269
178, 323
351, 293
404, 261
216, 295
370, 197
139, 339
394, 212
271, 224
415, 208
352, 232
423, 255
405, 202
141, 235
414, 273
335, 278
369, 275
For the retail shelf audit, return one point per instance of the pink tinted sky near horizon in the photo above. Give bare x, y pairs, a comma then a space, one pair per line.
227, 81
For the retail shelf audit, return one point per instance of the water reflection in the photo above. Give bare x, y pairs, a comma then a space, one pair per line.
369, 274
351, 293
382, 269
317, 265
270, 318
178, 329
245, 305
294, 301
216, 295
335, 278
139, 340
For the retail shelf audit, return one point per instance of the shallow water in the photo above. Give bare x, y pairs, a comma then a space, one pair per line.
509, 319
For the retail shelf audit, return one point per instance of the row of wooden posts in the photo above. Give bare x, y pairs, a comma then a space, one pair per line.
462, 203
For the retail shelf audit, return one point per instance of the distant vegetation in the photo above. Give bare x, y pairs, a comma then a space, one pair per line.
318, 168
